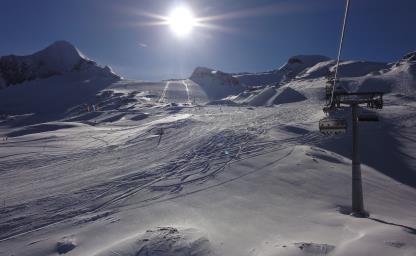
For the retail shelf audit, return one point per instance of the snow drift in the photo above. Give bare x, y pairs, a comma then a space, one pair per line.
271, 96
163, 241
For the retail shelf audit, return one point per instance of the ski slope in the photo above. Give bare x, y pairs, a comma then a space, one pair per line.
245, 174
227, 180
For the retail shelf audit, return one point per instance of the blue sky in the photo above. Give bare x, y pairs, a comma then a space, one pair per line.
254, 35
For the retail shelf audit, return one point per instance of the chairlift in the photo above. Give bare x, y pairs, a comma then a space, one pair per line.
329, 88
376, 103
330, 125
328, 91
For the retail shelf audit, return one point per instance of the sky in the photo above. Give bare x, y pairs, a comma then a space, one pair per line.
245, 36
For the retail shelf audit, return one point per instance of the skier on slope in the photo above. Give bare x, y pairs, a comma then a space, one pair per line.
160, 136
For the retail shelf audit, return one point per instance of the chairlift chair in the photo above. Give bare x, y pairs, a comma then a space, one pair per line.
328, 91
330, 125
376, 103
368, 117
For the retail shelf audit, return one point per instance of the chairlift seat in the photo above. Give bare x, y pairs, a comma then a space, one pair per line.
333, 125
370, 117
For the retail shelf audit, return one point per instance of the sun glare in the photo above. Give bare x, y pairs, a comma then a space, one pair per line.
181, 21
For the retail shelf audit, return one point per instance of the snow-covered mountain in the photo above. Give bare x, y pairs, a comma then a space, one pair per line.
398, 77
288, 71
263, 88
59, 58
50, 82
215, 83
297, 67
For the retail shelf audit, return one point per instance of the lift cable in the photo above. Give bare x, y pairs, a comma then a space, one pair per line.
344, 25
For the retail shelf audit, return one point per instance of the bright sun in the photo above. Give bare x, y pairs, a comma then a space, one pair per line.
181, 21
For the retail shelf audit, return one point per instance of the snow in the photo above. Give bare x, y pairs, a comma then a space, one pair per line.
291, 69
271, 96
163, 241
216, 84
288, 95
52, 97
59, 58
263, 97
359, 68
203, 166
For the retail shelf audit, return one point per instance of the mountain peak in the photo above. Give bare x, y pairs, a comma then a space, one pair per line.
59, 52
57, 59
62, 44
306, 60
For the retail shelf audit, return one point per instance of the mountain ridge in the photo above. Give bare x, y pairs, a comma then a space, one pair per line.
59, 58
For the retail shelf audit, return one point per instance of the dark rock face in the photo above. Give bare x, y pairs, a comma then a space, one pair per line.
295, 61
14, 71
409, 57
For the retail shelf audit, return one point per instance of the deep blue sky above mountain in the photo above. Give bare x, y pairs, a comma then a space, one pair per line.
253, 35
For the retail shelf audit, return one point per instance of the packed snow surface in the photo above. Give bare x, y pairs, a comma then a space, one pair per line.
91, 165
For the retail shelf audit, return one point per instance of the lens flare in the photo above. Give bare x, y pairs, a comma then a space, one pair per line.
181, 21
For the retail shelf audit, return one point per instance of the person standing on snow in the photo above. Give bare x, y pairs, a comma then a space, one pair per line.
160, 136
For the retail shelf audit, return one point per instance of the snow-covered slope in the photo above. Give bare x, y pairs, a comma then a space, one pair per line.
50, 82
346, 69
270, 96
398, 78
354, 76
289, 70
155, 171
219, 181
57, 59
363, 76
215, 83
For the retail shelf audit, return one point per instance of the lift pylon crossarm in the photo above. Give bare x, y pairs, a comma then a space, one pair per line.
372, 99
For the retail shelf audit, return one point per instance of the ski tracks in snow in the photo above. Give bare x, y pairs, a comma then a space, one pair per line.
163, 96
209, 156
187, 91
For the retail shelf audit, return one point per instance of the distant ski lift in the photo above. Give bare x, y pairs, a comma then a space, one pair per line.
333, 125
